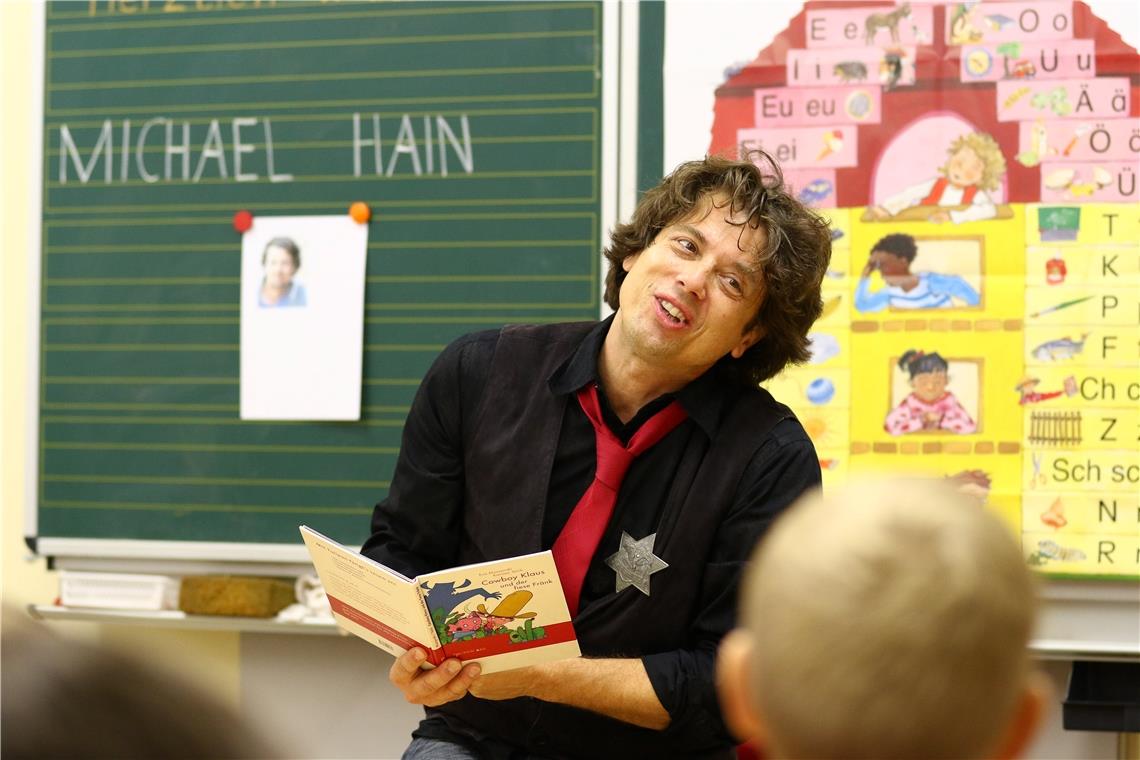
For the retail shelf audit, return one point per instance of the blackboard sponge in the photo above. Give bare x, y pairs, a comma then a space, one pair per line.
235, 596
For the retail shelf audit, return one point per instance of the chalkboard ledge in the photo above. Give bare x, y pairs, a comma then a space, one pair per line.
1041, 648
1088, 620
175, 619
1095, 651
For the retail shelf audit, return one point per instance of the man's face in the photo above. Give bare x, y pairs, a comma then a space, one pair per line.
279, 268
965, 168
930, 386
688, 297
888, 264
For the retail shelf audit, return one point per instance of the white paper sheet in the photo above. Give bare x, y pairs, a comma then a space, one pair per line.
302, 328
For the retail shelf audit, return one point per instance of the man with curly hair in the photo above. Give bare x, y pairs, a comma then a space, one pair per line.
974, 169
514, 433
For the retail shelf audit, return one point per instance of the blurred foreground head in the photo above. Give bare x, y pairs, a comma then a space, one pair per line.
68, 699
889, 619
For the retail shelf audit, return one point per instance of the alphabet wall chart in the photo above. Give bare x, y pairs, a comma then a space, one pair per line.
979, 163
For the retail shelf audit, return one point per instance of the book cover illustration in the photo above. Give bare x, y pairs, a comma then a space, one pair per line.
512, 609
502, 614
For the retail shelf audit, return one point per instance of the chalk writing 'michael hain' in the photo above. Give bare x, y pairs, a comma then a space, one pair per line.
164, 150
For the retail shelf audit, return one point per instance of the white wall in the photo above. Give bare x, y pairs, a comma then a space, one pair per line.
325, 696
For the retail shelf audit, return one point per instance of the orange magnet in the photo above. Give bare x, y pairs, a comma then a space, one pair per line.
360, 212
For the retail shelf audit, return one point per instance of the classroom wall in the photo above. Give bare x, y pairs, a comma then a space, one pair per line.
363, 716
210, 659
23, 580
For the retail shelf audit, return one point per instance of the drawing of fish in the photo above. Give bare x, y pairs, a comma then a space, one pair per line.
1060, 349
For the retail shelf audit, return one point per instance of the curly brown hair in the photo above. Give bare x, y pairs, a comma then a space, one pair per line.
793, 258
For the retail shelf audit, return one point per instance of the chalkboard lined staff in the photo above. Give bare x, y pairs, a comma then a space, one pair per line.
140, 317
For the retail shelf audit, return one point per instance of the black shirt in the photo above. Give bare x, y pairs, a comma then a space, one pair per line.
413, 529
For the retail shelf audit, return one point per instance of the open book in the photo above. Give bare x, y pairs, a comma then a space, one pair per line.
504, 614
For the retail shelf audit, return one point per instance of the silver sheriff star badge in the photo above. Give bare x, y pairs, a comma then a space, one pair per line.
634, 562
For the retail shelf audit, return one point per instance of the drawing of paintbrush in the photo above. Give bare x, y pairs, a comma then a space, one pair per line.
1060, 306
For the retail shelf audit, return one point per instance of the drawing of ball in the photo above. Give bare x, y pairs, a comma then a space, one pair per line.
820, 391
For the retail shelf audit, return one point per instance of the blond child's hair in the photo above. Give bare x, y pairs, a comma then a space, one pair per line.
988, 152
889, 619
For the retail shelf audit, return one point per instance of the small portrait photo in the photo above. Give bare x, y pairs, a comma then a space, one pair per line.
930, 394
281, 282
907, 274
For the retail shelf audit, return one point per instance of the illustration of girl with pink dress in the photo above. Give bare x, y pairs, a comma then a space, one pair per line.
929, 407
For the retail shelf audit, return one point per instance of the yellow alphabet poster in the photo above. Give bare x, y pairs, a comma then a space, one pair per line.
978, 162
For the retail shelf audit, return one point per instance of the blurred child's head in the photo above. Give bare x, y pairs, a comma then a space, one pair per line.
63, 698
888, 619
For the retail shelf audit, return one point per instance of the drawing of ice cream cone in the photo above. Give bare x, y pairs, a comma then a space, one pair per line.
832, 143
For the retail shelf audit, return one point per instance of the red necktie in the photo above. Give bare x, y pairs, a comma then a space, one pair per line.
576, 544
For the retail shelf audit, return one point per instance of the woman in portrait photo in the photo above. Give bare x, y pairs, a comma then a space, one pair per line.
930, 406
281, 260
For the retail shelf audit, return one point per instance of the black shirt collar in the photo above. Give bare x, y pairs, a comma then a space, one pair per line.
703, 399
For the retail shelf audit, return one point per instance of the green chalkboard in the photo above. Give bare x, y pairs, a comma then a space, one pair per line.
472, 130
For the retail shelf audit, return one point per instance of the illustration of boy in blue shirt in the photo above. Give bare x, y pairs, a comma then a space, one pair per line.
892, 257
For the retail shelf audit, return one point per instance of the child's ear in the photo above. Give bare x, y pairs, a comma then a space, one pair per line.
733, 670
1027, 716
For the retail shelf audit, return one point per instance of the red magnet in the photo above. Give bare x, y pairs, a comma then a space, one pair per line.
360, 212
243, 220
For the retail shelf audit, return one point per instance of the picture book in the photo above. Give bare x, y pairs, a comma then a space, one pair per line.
503, 614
